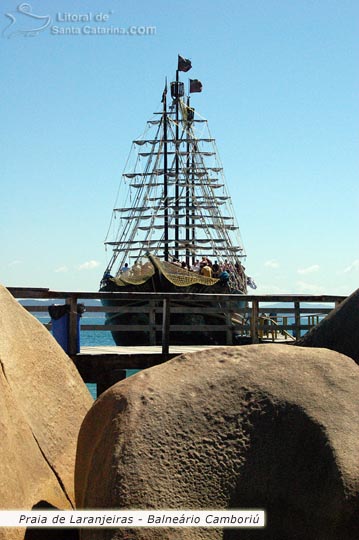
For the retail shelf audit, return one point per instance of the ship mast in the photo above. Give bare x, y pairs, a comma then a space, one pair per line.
188, 232
177, 92
190, 224
165, 172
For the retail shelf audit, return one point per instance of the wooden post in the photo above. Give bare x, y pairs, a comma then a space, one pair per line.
228, 319
72, 343
166, 326
297, 320
152, 321
254, 321
285, 323
109, 378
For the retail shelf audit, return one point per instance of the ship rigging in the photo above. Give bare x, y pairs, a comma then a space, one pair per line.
177, 206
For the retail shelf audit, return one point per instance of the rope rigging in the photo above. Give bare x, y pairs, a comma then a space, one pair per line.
194, 207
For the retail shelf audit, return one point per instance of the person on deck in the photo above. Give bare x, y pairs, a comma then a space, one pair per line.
206, 271
215, 269
227, 267
224, 277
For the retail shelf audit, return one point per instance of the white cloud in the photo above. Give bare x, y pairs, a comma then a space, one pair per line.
309, 269
272, 263
309, 288
14, 263
352, 267
266, 288
61, 269
89, 265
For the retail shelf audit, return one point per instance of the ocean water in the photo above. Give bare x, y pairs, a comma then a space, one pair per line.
91, 338
88, 338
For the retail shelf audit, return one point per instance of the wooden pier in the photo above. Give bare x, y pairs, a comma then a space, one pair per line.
107, 365
252, 323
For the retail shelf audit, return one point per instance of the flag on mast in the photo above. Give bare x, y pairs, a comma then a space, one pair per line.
195, 86
184, 64
164, 94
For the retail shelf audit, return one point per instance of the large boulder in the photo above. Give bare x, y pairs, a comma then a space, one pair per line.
259, 426
338, 330
43, 401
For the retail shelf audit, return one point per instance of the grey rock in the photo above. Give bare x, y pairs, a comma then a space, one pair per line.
338, 330
262, 426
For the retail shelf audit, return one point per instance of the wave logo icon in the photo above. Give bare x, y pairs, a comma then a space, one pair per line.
25, 23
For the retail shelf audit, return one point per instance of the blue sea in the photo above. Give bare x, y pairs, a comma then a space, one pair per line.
88, 338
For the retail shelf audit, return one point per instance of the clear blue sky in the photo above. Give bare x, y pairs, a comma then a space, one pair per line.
280, 91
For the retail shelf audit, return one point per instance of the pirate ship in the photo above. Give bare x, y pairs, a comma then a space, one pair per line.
174, 229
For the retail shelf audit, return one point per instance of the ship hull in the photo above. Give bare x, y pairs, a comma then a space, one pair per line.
140, 322
199, 324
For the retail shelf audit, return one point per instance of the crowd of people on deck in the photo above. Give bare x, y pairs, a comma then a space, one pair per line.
205, 267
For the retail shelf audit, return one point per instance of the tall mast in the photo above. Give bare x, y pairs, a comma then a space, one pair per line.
193, 220
165, 172
177, 167
183, 65
188, 232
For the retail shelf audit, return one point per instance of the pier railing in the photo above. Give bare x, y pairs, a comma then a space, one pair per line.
251, 318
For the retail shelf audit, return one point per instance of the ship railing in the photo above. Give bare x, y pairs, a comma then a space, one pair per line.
245, 318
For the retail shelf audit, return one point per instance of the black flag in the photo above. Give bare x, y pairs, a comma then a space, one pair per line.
164, 94
195, 85
184, 64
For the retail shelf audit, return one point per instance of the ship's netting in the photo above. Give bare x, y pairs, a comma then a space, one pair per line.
140, 273
181, 277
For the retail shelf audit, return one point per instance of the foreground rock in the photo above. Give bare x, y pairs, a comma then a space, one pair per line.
338, 330
260, 426
42, 403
